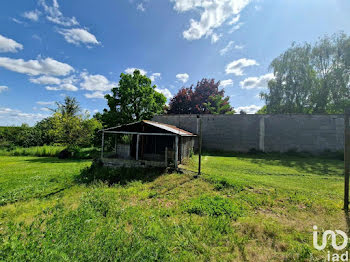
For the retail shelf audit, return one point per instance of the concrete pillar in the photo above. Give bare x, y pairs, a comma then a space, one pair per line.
262, 134
198, 123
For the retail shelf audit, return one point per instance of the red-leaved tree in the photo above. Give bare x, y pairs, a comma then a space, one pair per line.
205, 99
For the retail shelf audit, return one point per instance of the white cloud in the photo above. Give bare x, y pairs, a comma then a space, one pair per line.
3, 88
9, 45
155, 76
131, 70
235, 19
96, 83
165, 92
182, 77
67, 84
140, 7
45, 109
235, 28
66, 87
78, 36
236, 67
252, 109
54, 14
239, 46
97, 94
46, 80
9, 117
215, 37
45, 103
36, 37
32, 15
224, 83
17, 21
47, 66
256, 82
213, 14
229, 47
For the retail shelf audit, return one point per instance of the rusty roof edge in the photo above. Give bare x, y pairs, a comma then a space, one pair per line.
175, 130
170, 128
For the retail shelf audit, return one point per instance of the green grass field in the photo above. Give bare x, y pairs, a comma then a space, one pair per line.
243, 208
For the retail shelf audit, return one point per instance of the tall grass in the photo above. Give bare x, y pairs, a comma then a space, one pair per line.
50, 151
41, 151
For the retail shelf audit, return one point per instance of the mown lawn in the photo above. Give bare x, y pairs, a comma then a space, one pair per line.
243, 208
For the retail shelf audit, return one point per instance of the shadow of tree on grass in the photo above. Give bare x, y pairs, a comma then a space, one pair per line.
54, 160
122, 176
322, 165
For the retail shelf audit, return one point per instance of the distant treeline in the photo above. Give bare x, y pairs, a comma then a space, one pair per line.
67, 126
23, 136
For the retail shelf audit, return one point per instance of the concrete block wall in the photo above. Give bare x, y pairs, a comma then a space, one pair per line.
269, 133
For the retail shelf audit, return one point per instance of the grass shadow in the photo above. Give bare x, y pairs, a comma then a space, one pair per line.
303, 162
122, 176
54, 160
347, 219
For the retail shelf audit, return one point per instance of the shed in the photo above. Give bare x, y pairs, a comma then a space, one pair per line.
146, 144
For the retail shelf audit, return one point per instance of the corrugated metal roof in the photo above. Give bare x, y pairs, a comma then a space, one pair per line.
169, 128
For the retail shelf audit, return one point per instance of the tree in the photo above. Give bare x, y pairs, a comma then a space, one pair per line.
205, 99
311, 78
182, 102
70, 127
70, 107
133, 100
262, 111
43, 129
219, 105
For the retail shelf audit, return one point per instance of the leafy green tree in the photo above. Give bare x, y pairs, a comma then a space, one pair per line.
219, 105
134, 99
70, 107
291, 89
43, 130
70, 127
311, 78
262, 111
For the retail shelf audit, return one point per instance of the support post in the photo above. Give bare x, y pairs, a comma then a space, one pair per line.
166, 156
346, 158
200, 145
176, 150
115, 145
103, 143
137, 146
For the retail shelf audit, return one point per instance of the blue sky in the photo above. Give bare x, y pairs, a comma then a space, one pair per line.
49, 49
